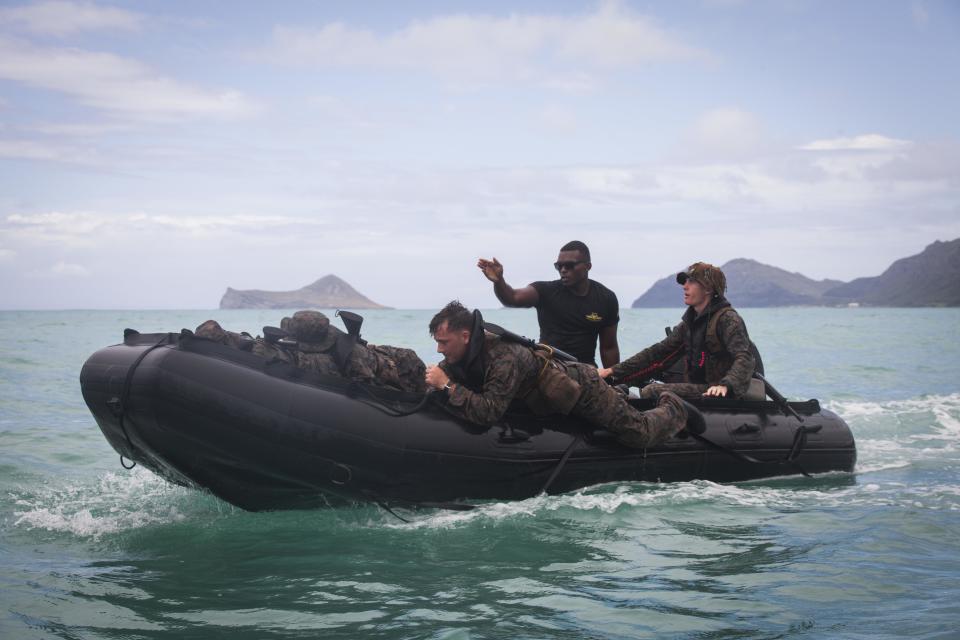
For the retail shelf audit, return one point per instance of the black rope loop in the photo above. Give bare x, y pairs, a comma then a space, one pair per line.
119, 406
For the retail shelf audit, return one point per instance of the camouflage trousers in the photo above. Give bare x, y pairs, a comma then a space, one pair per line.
385, 366
211, 330
378, 365
606, 407
686, 390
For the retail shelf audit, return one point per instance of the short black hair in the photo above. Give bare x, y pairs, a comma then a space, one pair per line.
456, 316
576, 245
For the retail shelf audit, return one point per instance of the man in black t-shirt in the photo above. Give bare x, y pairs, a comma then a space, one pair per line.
573, 311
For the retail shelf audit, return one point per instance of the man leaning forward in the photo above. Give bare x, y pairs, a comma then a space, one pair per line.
482, 373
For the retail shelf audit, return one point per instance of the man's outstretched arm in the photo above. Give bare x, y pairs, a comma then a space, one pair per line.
510, 297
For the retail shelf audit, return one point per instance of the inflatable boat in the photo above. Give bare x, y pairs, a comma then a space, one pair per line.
266, 435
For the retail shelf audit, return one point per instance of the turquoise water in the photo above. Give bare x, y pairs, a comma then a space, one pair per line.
90, 550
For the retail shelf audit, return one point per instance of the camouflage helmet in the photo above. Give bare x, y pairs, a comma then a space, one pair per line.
312, 328
706, 274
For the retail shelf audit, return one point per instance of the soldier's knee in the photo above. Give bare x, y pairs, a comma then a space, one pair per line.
651, 391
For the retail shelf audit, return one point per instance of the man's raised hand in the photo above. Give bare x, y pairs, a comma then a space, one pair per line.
492, 269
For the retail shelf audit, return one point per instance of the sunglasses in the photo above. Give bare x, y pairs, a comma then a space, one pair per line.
568, 265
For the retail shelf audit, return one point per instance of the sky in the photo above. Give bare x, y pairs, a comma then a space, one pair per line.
154, 153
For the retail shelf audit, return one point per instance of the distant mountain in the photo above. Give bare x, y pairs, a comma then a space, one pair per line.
929, 279
749, 284
329, 292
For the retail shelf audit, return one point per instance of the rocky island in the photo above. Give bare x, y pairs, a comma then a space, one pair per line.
329, 292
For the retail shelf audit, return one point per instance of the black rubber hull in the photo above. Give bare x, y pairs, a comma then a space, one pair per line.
274, 437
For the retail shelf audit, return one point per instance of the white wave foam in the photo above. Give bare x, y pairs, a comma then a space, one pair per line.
116, 502
898, 433
602, 499
944, 409
665, 498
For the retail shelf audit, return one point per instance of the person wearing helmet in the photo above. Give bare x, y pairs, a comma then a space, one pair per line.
711, 338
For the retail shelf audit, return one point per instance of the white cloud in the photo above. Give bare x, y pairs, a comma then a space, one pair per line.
616, 37
558, 118
850, 158
69, 270
107, 81
61, 18
77, 129
7, 254
61, 270
866, 142
572, 82
38, 150
58, 224
471, 48
726, 133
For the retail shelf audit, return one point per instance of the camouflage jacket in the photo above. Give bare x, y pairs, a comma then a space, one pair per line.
511, 370
724, 356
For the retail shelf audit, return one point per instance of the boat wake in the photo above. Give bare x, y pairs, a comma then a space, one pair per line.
899, 433
114, 503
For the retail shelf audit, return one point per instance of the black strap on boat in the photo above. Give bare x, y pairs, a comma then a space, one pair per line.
355, 388
383, 505
777, 397
561, 464
450, 506
799, 442
119, 405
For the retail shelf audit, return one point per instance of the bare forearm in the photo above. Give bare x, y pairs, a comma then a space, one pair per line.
609, 349
609, 355
505, 293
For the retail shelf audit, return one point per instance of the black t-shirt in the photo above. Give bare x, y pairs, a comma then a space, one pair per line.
572, 323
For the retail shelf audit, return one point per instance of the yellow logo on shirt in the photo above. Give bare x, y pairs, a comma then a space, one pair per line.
593, 317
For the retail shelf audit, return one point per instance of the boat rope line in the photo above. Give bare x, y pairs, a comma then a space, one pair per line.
561, 463
799, 442
354, 389
450, 506
652, 368
383, 505
118, 405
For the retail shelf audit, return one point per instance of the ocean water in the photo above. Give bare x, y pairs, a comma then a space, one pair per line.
91, 550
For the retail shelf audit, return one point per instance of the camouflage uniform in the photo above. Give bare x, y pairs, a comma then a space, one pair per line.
271, 352
316, 350
386, 366
513, 371
211, 330
716, 347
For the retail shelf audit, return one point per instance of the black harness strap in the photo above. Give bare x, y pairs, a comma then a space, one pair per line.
355, 388
118, 405
383, 505
561, 464
799, 442
451, 506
